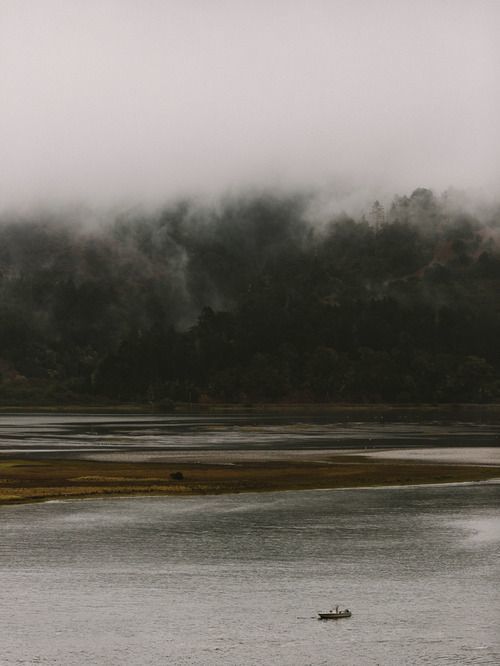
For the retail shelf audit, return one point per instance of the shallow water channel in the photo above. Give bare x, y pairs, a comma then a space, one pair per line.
153, 437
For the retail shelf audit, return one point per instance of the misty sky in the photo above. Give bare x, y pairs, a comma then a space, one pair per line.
108, 101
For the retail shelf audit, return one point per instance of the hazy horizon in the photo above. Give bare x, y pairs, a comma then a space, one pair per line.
110, 103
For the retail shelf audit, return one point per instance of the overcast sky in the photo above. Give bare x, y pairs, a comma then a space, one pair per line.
108, 101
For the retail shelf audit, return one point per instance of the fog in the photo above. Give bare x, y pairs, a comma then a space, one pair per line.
117, 101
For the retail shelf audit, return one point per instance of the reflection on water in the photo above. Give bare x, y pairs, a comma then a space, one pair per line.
138, 435
238, 579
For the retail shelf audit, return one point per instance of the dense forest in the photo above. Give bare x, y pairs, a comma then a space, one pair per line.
252, 299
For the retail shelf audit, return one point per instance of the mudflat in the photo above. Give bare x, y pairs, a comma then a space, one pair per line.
39, 480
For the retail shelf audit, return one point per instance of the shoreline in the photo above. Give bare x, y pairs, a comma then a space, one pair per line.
111, 496
38, 480
374, 410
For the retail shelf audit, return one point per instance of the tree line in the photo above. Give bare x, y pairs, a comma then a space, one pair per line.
253, 300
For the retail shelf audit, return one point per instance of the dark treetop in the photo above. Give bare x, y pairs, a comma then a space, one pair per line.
250, 301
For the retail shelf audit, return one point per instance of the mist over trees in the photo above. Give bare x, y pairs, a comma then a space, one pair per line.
252, 300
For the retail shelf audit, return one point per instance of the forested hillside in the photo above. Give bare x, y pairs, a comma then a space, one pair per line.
253, 300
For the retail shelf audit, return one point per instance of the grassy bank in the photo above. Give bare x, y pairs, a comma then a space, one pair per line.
37, 480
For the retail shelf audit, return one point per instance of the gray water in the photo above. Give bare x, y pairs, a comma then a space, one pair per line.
238, 580
155, 437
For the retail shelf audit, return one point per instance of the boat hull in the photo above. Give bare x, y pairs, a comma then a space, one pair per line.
334, 616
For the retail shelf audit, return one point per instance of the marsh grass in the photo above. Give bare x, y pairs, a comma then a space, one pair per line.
36, 480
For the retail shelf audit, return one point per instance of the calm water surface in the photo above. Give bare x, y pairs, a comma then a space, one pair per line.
237, 580
152, 436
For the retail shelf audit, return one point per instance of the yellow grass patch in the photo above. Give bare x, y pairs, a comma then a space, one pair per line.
50, 479
112, 479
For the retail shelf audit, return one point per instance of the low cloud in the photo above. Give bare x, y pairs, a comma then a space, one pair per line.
114, 103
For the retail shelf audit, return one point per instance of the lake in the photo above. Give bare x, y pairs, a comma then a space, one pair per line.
238, 579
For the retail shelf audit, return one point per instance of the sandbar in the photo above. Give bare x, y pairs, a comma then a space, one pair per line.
23, 480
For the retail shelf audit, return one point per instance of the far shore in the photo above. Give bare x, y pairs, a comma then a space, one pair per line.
484, 413
39, 480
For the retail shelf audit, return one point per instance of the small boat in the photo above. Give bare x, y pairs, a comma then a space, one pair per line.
335, 614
